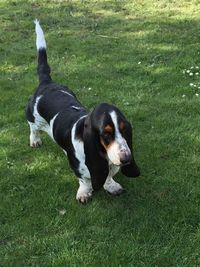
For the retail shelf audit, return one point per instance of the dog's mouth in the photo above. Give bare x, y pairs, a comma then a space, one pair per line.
125, 158
124, 164
120, 160
121, 163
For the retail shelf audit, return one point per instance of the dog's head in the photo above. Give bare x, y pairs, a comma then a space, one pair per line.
108, 139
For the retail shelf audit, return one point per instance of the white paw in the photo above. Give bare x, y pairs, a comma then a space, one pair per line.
83, 196
35, 142
113, 187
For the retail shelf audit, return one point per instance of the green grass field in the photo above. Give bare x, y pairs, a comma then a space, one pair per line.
143, 56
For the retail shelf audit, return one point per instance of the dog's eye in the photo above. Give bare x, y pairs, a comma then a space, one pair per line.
122, 127
123, 132
107, 137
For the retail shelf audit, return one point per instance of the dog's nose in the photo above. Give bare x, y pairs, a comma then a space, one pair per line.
125, 158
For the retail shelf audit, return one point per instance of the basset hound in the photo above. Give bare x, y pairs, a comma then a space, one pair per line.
98, 143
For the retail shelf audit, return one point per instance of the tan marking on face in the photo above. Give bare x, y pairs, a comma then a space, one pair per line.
104, 145
112, 151
108, 129
122, 125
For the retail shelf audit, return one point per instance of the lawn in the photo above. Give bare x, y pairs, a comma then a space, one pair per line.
143, 56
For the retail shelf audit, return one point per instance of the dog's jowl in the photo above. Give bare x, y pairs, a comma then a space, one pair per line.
98, 144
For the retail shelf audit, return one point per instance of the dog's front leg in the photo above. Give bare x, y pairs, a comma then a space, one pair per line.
84, 192
113, 187
110, 185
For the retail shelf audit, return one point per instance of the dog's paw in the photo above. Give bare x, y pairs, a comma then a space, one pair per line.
83, 197
114, 188
117, 192
35, 142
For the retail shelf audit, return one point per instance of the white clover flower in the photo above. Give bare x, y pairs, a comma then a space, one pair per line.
139, 62
195, 85
197, 94
197, 73
188, 71
183, 95
191, 74
89, 89
197, 67
191, 84
192, 67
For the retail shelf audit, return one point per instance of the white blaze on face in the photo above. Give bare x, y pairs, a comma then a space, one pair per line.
119, 145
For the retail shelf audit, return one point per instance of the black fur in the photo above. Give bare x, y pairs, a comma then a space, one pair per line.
43, 68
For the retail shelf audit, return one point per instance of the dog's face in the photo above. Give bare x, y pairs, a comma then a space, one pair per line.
108, 139
112, 133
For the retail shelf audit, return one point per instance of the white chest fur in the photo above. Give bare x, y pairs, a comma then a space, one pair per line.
113, 169
79, 153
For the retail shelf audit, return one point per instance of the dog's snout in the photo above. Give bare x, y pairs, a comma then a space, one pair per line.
125, 157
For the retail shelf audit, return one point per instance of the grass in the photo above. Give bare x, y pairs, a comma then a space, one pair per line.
134, 54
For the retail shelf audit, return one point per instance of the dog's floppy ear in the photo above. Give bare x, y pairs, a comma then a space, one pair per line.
94, 158
131, 169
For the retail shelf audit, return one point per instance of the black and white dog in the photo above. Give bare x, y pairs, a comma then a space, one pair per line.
97, 143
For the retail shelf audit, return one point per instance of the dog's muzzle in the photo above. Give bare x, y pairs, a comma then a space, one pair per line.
125, 155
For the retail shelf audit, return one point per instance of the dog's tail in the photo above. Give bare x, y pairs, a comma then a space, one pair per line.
43, 68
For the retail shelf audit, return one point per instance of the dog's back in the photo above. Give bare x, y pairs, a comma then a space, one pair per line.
51, 102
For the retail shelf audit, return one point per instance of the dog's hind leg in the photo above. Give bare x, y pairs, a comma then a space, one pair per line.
34, 122
35, 140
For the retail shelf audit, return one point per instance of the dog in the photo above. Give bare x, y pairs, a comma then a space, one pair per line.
97, 143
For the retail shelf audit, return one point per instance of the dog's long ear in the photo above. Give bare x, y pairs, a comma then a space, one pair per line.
94, 158
131, 169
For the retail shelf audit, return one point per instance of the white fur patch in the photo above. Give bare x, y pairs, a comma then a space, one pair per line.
40, 123
110, 185
65, 152
77, 108
113, 153
113, 169
65, 92
40, 40
118, 145
50, 129
79, 153
35, 140
84, 192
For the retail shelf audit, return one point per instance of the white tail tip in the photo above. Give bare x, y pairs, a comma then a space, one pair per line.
40, 40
